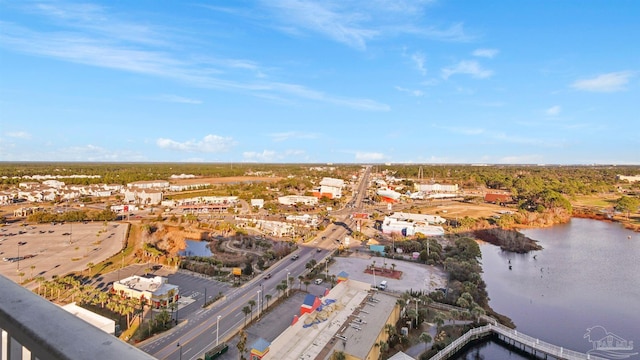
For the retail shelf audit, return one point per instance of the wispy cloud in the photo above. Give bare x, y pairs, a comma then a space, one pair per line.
209, 144
368, 156
486, 53
554, 110
354, 23
19, 135
610, 82
416, 93
283, 136
177, 99
467, 67
134, 54
325, 18
419, 60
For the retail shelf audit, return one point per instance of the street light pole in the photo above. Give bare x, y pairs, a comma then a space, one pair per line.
288, 274
217, 329
179, 347
258, 304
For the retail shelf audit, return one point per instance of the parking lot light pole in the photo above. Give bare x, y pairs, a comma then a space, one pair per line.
217, 329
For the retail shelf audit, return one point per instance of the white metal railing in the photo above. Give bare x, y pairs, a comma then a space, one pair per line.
535, 344
33, 328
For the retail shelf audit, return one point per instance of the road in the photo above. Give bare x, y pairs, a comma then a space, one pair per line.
199, 332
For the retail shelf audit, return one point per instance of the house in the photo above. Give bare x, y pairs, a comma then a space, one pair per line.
143, 196
440, 188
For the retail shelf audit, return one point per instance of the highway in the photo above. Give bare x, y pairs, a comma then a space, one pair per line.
199, 332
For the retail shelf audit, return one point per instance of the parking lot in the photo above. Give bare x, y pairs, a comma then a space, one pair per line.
47, 249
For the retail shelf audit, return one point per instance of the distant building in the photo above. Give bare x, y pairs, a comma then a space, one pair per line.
436, 188
257, 203
330, 188
497, 198
633, 178
408, 227
143, 196
152, 184
155, 291
298, 199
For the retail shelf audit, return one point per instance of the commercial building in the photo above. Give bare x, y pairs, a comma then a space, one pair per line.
298, 199
330, 187
350, 318
410, 224
156, 291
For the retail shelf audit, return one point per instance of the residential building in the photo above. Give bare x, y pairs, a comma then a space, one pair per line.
152, 184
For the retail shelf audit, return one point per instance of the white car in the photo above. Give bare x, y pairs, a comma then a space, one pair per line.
318, 281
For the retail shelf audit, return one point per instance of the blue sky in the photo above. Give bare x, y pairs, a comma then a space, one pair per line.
372, 81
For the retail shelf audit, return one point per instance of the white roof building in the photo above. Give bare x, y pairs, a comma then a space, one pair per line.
298, 199
331, 187
103, 323
156, 290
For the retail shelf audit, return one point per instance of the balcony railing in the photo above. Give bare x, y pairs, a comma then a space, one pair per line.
33, 328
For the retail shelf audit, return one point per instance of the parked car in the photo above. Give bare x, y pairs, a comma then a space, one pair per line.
318, 281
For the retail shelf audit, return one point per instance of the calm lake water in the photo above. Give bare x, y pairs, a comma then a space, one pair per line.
196, 248
587, 275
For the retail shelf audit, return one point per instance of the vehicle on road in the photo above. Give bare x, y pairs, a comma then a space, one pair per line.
268, 276
318, 250
295, 257
318, 281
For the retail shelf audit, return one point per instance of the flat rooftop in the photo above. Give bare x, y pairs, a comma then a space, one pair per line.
350, 321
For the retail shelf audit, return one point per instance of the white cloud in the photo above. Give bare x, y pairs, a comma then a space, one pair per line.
610, 82
265, 155
467, 67
209, 144
416, 93
369, 156
486, 53
554, 110
419, 59
19, 135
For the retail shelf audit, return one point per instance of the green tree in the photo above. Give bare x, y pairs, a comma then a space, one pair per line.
426, 339
242, 343
627, 204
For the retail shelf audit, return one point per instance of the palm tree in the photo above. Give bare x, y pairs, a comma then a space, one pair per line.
301, 279
439, 321
246, 310
306, 285
40, 281
252, 303
21, 274
338, 355
425, 338
89, 266
32, 267
267, 297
